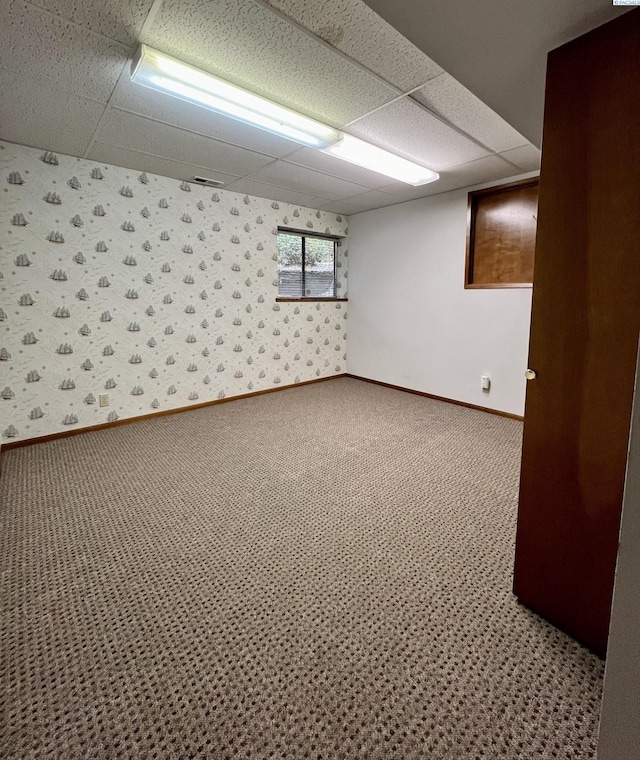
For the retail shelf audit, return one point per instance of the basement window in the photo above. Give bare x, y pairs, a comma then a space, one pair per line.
306, 266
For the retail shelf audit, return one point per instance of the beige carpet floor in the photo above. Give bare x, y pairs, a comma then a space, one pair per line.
319, 573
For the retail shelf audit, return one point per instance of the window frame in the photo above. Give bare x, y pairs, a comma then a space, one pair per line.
303, 235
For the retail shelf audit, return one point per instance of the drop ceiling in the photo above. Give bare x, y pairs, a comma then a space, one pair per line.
64, 75
498, 48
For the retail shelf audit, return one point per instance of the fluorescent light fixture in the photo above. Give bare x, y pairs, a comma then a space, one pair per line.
161, 72
158, 71
362, 153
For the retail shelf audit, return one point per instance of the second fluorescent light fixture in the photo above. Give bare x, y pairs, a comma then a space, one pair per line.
369, 156
166, 74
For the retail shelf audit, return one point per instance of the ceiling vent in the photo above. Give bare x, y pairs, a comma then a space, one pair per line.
206, 181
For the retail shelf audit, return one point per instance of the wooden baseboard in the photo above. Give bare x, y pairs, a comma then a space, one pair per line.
104, 425
438, 398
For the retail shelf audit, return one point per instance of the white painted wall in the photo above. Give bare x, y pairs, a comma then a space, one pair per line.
619, 724
412, 323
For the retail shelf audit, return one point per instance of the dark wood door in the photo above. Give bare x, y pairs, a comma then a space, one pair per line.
584, 332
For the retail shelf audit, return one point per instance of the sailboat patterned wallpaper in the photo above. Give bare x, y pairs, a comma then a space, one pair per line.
158, 293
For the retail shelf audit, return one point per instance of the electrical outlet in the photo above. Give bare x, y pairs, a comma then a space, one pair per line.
485, 383
103, 399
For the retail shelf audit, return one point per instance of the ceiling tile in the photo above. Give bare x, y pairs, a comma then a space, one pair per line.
475, 172
451, 100
251, 46
64, 124
306, 181
526, 157
275, 193
156, 105
352, 27
121, 21
111, 154
58, 53
407, 129
138, 133
403, 192
358, 203
315, 159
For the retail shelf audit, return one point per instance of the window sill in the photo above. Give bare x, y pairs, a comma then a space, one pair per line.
281, 299
490, 285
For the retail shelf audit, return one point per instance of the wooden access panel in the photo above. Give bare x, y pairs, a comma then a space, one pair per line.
501, 235
584, 332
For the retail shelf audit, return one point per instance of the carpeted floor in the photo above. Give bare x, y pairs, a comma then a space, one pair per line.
319, 573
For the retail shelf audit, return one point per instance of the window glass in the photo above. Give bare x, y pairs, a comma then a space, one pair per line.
306, 266
289, 265
319, 268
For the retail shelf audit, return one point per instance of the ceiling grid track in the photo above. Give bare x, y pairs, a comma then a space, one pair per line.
316, 38
193, 132
370, 87
148, 22
400, 93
